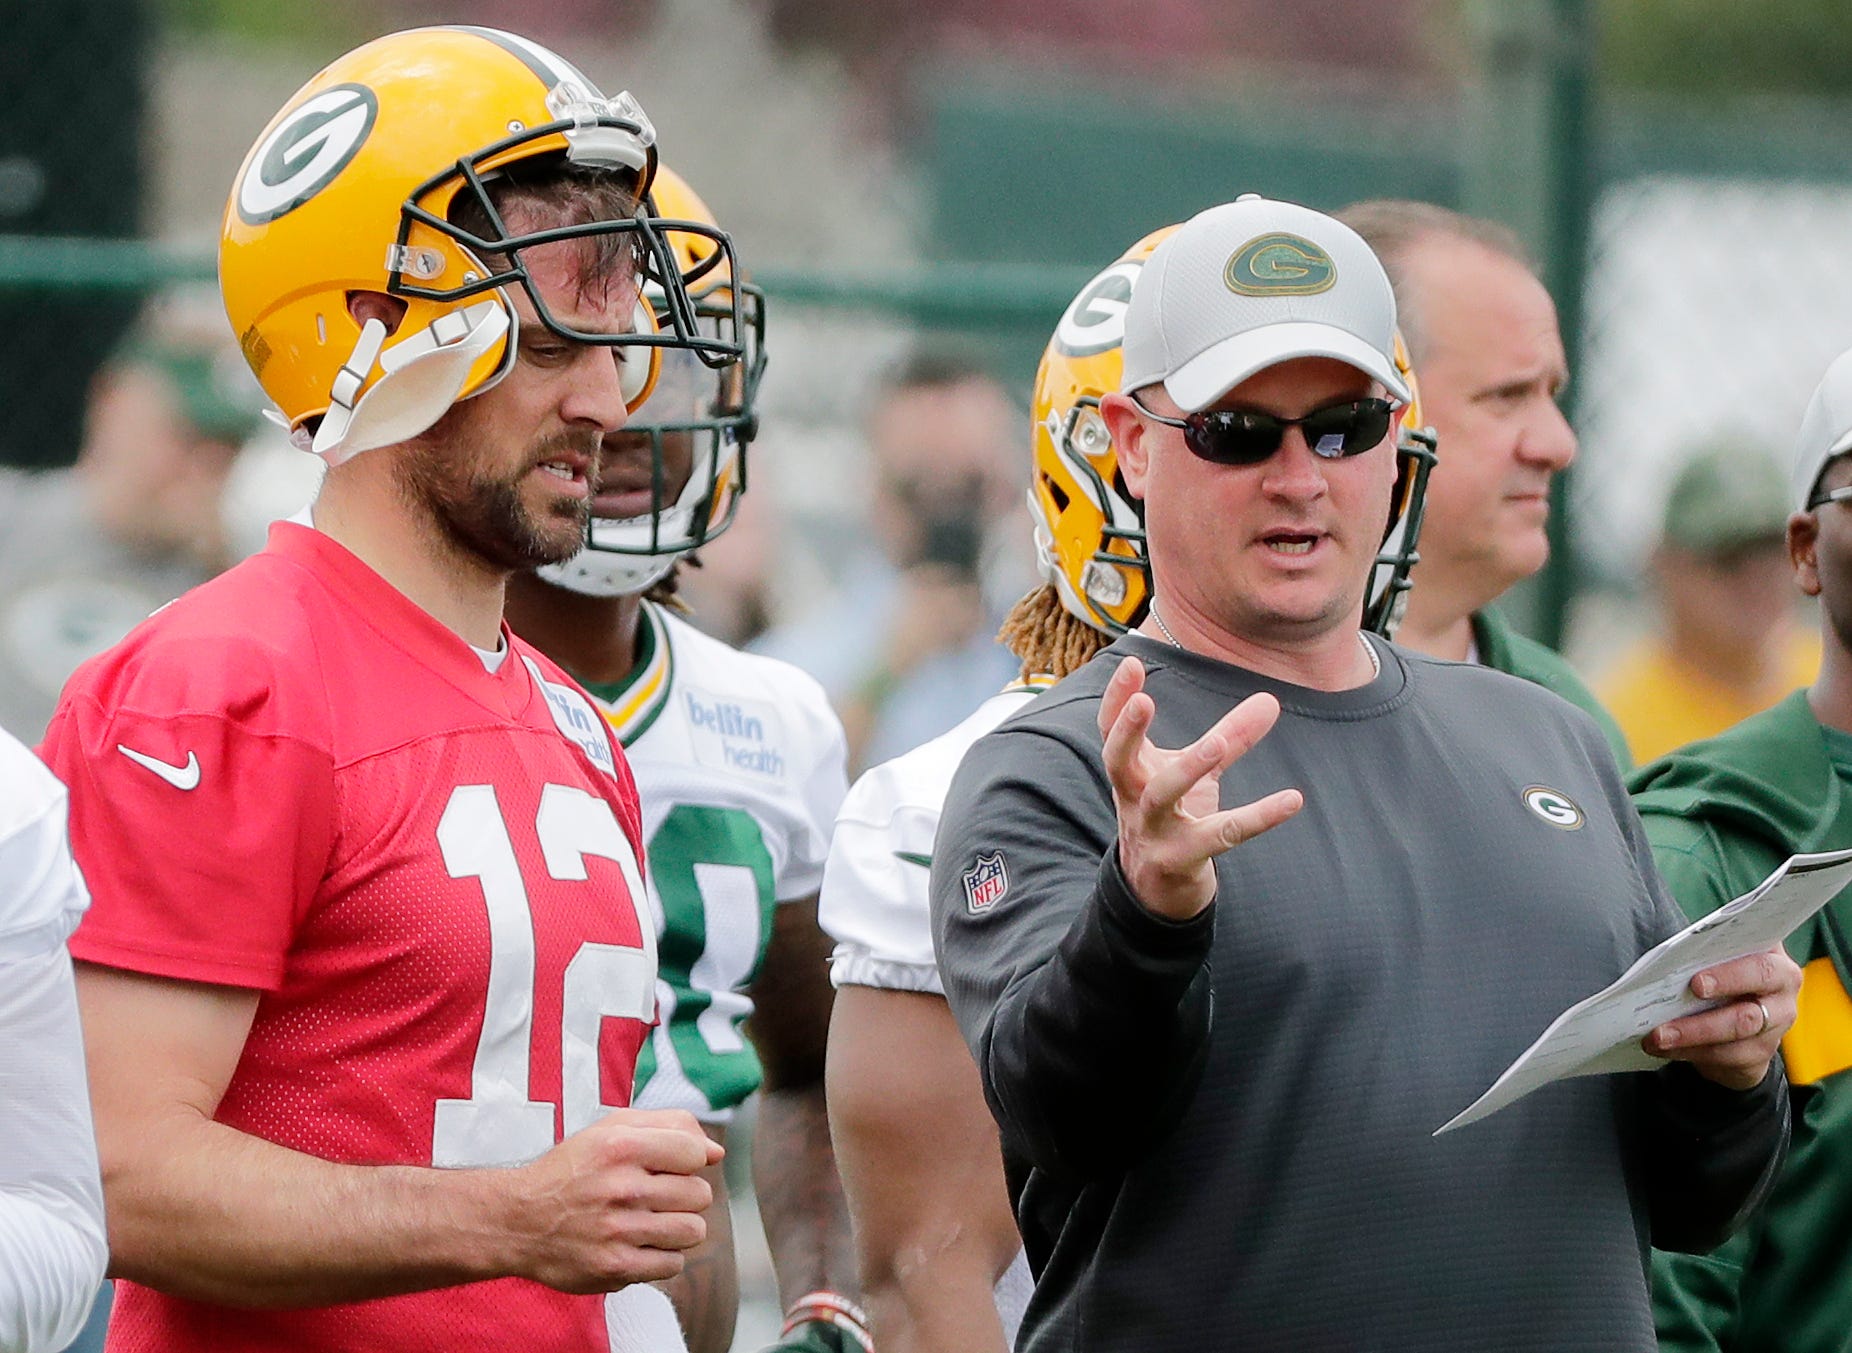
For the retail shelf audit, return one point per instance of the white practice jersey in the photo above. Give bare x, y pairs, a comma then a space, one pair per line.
51, 1201
739, 763
875, 902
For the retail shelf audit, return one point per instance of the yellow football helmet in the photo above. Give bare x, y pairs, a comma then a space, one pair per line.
695, 416
1089, 532
1386, 598
352, 188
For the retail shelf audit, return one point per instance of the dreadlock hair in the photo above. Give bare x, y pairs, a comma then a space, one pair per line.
1047, 637
666, 590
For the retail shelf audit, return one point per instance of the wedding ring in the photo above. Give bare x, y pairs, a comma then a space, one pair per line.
1764, 1029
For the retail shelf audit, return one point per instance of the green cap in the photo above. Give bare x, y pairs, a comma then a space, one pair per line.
1726, 497
181, 340
216, 391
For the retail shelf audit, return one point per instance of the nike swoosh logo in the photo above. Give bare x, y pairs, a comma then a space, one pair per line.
911, 857
180, 777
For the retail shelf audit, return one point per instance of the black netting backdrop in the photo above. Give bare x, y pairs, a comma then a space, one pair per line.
73, 76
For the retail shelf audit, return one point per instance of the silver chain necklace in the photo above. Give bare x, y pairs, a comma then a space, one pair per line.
1369, 649
1165, 628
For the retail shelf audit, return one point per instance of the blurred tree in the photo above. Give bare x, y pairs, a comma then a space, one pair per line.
327, 22
893, 49
1722, 46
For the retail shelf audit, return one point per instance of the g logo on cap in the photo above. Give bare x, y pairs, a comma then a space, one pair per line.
1280, 265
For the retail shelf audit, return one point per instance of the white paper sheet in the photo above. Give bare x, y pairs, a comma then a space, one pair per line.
1603, 1033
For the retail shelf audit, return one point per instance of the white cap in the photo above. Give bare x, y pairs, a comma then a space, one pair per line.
1826, 429
1248, 285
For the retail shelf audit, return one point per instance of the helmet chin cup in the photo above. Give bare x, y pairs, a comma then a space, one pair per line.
629, 555
598, 573
422, 375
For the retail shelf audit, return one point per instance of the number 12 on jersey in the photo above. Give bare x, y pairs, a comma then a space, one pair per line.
498, 1124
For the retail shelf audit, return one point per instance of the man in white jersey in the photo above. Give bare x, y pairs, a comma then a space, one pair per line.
942, 1262
52, 1251
739, 762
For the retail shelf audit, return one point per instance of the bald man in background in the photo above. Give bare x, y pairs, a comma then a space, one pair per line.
1482, 331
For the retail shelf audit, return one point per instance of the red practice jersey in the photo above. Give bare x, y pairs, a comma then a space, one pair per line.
295, 780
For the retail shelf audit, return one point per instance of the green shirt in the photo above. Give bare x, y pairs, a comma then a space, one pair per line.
1720, 815
1503, 649
1838, 752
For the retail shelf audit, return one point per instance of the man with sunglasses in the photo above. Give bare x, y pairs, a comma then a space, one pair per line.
1719, 815
1236, 915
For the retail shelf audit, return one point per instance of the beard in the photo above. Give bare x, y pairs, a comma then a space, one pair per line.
485, 515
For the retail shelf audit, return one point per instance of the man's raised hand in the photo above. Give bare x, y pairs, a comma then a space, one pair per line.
1171, 825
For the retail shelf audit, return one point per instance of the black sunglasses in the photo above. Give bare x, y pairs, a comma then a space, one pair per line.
1244, 437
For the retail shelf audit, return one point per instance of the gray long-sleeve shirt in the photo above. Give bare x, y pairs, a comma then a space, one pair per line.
1219, 1132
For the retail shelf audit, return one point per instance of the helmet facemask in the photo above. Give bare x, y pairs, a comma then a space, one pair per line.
697, 424
1386, 594
1387, 597
656, 248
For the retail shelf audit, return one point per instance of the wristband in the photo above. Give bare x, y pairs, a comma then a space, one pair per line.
829, 1308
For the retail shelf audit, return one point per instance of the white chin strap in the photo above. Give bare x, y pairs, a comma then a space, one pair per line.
422, 375
1094, 577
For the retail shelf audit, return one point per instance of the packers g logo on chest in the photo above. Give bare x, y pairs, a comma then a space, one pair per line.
305, 151
1554, 807
1280, 265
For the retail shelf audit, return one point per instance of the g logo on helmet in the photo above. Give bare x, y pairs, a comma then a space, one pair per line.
1280, 265
1095, 320
305, 151
1554, 807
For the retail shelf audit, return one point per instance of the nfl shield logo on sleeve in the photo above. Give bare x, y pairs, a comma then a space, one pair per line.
986, 882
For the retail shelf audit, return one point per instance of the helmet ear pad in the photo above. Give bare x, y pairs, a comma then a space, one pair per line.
642, 366
423, 372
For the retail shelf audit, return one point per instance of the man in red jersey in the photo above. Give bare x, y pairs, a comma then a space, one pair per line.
369, 962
